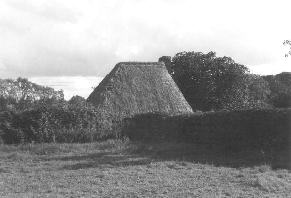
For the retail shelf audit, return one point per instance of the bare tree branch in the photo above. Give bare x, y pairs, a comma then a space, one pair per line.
288, 43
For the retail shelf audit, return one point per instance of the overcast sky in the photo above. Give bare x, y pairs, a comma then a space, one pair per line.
43, 38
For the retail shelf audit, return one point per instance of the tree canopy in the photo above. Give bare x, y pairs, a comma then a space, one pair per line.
215, 83
280, 86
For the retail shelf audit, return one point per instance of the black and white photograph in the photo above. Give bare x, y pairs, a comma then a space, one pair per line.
145, 98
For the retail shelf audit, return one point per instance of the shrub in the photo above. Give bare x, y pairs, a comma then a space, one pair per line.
60, 122
255, 129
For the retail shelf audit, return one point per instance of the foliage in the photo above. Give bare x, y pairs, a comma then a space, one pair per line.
258, 92
280, 86
7, 103
56, 122
9, 133
209, 82
168, 63
254, 129
32, 113
218, 83
77, 101
21, 94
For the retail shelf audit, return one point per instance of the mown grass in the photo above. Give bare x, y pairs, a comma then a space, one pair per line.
120, 168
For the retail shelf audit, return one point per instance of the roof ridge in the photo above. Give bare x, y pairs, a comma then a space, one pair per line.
139, 63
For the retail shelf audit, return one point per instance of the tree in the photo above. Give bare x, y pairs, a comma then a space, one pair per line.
259, 92
21, 94
77, 101
168, 63
209, 82
7, 103
280, 86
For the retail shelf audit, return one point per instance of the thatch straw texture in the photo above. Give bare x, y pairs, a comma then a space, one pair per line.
135, 88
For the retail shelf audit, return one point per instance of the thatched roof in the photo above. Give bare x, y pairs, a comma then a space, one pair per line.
138, 87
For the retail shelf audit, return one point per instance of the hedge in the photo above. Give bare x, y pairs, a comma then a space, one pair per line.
53, 124
260, 129
255, 129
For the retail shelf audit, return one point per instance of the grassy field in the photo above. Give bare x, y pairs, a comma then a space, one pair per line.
126, 169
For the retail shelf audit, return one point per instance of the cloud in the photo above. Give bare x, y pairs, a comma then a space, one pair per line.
74, 37
51, 10
71, 85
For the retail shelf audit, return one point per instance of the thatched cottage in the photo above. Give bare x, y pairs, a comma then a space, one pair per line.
136, 88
